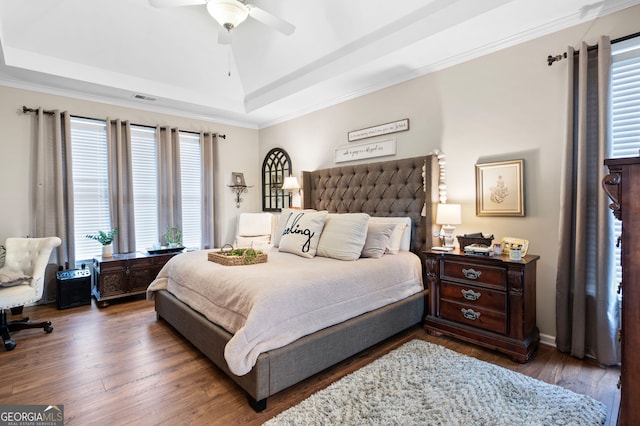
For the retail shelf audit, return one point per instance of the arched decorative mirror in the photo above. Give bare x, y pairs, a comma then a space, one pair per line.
275, 167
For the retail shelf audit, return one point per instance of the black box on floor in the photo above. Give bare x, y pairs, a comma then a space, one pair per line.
73, 288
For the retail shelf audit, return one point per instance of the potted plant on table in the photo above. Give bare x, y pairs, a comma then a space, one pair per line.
106, 239
173, 236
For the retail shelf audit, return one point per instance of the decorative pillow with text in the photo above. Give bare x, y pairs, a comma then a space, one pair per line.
302, 233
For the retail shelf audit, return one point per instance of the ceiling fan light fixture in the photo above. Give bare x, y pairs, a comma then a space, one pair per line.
228, 13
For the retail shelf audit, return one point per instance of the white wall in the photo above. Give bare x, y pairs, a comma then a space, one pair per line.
238, 153
506, 105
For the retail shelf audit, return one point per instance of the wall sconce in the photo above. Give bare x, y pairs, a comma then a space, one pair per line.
448, 215
239, 186
292, 185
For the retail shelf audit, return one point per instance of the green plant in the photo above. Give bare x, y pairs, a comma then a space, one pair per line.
104, 238
249, 254
173, 235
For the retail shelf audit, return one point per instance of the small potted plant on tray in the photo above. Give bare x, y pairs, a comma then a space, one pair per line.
106, 239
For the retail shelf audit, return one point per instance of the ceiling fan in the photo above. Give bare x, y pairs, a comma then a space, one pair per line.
231, 13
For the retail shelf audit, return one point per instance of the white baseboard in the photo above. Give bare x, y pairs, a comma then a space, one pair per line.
548, 340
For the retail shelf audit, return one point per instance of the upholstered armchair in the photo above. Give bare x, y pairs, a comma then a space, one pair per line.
22, 282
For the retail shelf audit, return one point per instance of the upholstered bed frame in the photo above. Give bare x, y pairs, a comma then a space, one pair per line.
389, 188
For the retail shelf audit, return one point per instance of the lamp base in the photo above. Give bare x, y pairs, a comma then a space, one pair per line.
447, 235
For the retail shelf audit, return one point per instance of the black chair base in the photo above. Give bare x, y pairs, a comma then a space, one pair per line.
6, 327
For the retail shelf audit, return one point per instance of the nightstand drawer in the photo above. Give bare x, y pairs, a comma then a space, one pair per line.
474, 273
474, 296
474, 316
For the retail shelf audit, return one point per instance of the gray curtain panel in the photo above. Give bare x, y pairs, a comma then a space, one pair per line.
169, 181
121, 185
586, 299
208, 148
52, 211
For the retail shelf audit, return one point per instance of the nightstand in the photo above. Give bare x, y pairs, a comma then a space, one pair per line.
486, 300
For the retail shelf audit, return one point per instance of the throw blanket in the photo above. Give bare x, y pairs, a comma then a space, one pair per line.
269, 305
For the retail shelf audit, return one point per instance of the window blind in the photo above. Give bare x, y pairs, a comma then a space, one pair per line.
191, 175
144, 164
625, 111
90, 184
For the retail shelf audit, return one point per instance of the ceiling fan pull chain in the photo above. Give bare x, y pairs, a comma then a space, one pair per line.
228, 60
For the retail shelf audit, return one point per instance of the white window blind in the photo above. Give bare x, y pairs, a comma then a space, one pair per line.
144, 163
90, 184
191, 175
625, 111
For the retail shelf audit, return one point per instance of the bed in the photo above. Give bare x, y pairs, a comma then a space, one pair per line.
384, 189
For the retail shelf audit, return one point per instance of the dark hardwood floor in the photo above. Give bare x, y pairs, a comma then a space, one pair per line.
119, 365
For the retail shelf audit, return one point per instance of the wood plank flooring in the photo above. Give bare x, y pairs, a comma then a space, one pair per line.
120, 366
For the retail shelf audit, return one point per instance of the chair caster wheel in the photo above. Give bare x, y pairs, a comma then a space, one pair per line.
9, 345
48, 329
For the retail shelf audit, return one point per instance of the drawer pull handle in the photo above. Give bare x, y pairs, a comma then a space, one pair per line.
470, 294
470, 314
471, 274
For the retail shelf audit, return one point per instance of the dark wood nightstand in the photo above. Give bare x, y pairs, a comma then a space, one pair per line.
486, 300
125, 275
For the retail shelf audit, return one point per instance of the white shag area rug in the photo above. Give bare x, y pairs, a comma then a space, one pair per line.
421, 383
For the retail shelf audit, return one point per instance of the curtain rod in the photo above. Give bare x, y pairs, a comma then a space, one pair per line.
551, 58
26, 109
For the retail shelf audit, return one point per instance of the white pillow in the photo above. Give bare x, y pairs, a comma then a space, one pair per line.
401, 238
302, 233
343, 236
282, 223
378, 237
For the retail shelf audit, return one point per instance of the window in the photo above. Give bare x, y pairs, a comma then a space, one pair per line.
144, 159
191, 175
90, 183
625, 110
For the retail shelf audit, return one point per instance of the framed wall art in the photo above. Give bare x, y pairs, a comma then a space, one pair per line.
379, 130
500, 188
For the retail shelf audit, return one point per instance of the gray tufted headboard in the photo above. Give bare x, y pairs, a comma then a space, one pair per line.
387, 188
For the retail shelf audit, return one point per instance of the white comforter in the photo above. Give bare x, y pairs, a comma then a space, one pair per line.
269, 305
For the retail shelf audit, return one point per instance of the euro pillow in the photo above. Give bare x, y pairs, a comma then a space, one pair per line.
378, 238
302, 233
343, 236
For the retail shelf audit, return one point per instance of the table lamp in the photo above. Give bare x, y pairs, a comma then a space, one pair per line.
448, 215
291, 184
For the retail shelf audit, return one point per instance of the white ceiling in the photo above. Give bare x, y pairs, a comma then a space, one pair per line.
110, 51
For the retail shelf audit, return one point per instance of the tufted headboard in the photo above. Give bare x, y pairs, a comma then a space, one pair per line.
387, 188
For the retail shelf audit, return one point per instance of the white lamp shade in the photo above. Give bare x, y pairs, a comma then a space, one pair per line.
228, 13
291, 184
449, 214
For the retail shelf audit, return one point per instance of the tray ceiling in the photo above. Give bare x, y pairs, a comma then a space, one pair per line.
168, 60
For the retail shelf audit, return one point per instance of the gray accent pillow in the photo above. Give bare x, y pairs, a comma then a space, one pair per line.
378, 239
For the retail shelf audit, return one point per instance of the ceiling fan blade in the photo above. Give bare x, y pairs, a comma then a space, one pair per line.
270, 20
224, 36
175, 3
